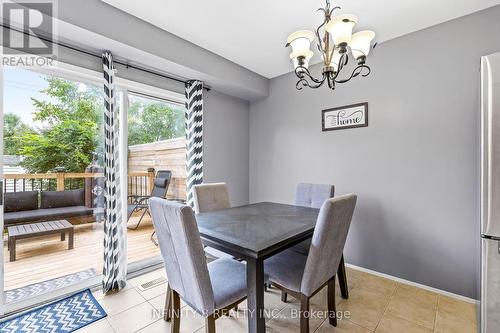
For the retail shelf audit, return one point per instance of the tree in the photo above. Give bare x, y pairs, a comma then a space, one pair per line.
154, 121
14, 129
72, 129
70, 135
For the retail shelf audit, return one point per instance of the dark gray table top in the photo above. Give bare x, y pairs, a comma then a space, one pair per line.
259, 227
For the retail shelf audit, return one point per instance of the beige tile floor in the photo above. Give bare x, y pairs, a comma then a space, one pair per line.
375, 305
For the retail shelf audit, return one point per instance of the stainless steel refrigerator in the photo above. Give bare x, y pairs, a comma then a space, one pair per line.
490, 193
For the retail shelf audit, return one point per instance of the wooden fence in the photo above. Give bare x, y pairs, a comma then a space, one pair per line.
162, 155
143, 161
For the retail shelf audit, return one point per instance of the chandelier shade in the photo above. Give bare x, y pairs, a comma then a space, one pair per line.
336, 60
336, 44
301, 58
300, 41
360, 44
340, 28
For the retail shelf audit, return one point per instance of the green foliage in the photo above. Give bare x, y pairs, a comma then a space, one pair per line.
70, 136
151, 121
14, 129
72, 130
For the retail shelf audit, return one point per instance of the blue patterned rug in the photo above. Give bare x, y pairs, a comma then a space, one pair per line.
66, 315
37, 289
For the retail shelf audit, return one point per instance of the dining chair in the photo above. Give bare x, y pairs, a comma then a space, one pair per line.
210, 289
311, 195
314, 195
210, 197
303, 276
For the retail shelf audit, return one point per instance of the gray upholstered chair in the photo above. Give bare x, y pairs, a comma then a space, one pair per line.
303, 276
311, 195
210, 197
207, 198
209, 289
314, 195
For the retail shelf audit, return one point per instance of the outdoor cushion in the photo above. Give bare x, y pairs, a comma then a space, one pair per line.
49, 214
56, 199
20, 201
228, 278
161, 182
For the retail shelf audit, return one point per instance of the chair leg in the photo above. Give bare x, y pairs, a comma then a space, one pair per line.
332, 311
140, 219
153, 240
210, 324
344, 291
304, 314
167, 314
283, 296
176, 313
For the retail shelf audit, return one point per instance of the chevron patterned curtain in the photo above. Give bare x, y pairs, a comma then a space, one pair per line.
115, 264
194, 136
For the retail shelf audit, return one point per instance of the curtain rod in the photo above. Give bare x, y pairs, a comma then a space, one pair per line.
77, 49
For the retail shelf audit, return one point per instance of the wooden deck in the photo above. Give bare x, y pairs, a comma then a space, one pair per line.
46, 257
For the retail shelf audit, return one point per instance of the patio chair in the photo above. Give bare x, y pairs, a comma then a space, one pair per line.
141, 202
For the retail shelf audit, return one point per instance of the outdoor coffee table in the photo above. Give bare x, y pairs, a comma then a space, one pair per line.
24, 231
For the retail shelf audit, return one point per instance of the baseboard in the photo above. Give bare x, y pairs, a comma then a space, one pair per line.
411, 283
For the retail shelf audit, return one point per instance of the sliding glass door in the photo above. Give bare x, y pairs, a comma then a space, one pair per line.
53, 140
156, 152
52, 182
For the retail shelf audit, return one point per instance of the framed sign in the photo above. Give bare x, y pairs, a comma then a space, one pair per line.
349, 116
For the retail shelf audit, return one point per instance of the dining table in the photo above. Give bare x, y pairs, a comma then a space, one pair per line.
253, 233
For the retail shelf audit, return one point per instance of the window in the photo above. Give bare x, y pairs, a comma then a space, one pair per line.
152, 120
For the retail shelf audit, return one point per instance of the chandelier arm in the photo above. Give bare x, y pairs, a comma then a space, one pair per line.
331, 81
301, 71
320, 40
303, 80
356, 71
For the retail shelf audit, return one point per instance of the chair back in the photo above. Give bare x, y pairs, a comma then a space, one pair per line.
327, 242
182, 251
210, 197
313, 195
161, 183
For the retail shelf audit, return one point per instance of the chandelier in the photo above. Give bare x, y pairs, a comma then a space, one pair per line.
337, 44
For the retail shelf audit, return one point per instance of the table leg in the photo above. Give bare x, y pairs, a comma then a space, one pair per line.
71, 234
255, 298
12, 246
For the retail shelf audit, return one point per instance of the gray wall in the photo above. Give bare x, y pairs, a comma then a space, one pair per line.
415, 168
225, 143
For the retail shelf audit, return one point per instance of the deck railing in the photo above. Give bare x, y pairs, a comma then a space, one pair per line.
139, 183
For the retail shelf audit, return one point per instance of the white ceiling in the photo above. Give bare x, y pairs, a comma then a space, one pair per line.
253, 33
